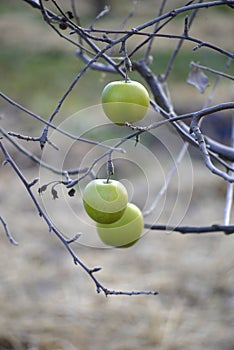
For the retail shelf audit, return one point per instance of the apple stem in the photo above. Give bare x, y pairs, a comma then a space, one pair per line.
109, 169
127, 63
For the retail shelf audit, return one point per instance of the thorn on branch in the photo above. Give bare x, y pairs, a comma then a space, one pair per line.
95, 269
5, 162
198, 46
75, 238
75, 260
98, 290
34, 181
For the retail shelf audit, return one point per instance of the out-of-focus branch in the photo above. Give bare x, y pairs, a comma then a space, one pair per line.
229, 191
167, 181
187, 26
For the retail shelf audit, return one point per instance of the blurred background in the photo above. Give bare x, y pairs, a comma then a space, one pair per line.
46, 301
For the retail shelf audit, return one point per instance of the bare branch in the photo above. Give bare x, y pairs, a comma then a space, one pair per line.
226, 229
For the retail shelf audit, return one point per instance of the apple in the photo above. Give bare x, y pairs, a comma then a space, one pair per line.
125, 101
105, 201
126, 231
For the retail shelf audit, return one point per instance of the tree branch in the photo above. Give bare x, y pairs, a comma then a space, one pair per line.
52, 126
226, 229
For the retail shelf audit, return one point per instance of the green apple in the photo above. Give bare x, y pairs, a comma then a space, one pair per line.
125, 101
124, 232
105, 202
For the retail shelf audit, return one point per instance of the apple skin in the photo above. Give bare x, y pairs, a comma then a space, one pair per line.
126, 231
105, 202
125, 101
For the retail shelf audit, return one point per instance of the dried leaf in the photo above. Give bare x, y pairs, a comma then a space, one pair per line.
198, 79
54, 193
42, 189
72, 192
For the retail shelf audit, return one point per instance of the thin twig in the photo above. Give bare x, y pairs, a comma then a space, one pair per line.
180, 43
150, 44
211, 70
52, 126
100, 15
38, 161
7, 232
